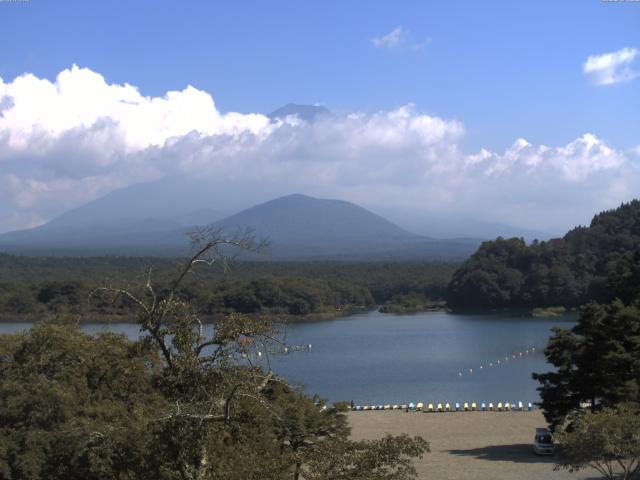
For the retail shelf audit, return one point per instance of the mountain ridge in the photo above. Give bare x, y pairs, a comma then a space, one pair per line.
300, 227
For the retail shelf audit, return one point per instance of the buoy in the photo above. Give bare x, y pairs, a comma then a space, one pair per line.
473, 406
431, 407
439, 407
466, 407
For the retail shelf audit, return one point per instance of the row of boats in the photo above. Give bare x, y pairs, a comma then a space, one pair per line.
447, 407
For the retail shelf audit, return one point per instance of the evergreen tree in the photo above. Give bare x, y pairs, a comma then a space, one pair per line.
597, 362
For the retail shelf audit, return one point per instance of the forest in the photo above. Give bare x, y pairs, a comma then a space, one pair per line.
33, 287
599, 263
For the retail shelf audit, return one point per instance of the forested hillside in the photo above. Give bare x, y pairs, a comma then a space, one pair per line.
599, 262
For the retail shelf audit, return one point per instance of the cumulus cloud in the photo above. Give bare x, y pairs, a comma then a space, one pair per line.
65, 142
610, 68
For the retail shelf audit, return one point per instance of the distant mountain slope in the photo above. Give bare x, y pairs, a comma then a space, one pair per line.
599, 262
298, 226
125, 221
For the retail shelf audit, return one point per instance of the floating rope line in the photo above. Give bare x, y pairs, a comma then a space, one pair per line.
507, 358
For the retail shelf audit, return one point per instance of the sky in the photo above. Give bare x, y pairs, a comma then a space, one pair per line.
524, 113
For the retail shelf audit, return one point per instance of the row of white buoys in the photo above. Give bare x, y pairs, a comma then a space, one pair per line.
446, 407
507, 358
297, 348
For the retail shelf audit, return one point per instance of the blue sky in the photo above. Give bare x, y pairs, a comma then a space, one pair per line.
517, 112
507, 69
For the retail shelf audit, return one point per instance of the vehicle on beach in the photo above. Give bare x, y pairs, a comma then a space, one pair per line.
543, 442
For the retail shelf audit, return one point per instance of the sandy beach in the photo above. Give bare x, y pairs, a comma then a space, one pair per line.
469, 445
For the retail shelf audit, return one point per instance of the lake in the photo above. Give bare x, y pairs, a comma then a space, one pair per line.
375, 358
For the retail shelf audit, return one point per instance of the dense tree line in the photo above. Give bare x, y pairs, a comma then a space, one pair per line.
595, 263
35, 286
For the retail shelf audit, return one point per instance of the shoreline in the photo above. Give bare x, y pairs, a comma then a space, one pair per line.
312, 317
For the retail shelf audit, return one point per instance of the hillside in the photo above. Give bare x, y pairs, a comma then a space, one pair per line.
302, 227
299, 228
599, 262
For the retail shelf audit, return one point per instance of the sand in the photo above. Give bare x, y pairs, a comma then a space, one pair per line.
469, 445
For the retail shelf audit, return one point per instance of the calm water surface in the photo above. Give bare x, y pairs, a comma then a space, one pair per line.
374, 358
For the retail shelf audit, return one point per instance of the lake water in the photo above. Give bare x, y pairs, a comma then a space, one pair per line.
375, 358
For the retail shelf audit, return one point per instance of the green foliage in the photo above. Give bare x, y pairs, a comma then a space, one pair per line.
39, 286
597, 362
410, 303
75, 406
600, 262
389, 458
188, 401
608, 440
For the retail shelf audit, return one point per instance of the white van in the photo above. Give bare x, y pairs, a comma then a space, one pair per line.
543, 442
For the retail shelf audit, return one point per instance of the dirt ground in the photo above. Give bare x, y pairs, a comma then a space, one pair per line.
469, 445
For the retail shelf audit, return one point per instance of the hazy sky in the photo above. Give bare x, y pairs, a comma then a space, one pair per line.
519, 112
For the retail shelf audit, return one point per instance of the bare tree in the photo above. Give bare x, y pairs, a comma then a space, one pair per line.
207, 367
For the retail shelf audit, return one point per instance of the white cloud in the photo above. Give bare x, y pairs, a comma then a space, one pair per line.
66, 142
390, 40
80, 98
611, 68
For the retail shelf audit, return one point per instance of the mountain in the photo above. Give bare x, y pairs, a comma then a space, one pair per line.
302, 227
136, 220
308, 113
299, 228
